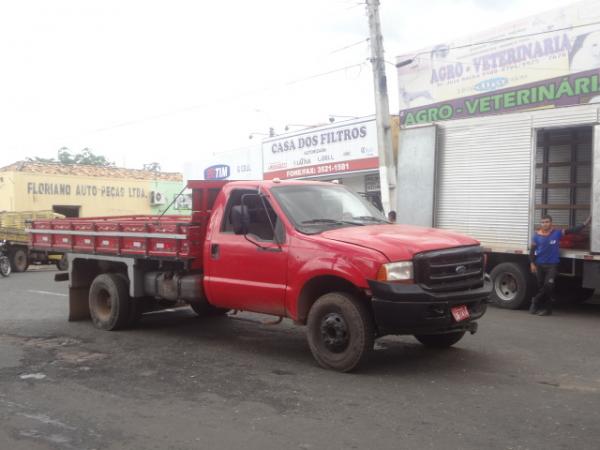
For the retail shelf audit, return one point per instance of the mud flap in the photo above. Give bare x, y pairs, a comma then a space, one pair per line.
79, 307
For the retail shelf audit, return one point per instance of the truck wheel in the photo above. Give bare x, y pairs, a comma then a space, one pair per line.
204, 309
62, 263
109, 302
19, 260
440, 340
5, 268
340, 331
512, 285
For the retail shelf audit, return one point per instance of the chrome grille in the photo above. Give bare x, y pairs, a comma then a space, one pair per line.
450, 270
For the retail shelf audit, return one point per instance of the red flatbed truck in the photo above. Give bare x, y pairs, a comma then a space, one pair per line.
313, 252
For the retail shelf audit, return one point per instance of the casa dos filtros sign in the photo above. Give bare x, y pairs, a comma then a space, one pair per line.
345, 147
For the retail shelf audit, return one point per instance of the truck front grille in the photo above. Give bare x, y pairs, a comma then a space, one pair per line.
450, 270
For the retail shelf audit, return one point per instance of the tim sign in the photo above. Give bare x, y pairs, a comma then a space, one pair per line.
217, 172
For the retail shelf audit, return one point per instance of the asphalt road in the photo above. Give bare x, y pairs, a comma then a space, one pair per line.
180, 382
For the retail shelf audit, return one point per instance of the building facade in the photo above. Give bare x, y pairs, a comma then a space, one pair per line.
87, 191
503, 127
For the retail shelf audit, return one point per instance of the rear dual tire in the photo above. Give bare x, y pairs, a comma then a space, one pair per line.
111, 307
512, 285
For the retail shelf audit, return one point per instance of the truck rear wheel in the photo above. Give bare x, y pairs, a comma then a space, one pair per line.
512, 285
19, 260
440, 340
340, 331
109, 302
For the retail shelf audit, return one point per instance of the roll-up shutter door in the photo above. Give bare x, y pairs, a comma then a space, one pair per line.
484, 179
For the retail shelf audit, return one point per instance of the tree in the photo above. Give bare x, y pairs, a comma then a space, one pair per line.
86, 156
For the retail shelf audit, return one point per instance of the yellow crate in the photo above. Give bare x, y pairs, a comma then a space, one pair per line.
19, 220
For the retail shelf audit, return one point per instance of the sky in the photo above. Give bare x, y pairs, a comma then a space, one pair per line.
175, 81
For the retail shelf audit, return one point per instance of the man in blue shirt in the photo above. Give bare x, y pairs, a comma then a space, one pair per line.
544, 255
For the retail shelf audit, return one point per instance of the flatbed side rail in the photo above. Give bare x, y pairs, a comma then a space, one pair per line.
145, 236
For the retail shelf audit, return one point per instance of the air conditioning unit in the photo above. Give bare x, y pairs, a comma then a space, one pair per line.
157, 198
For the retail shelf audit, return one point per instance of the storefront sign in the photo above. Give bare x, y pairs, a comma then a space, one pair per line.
563, 91
84, 190
533, 53
240, 164
344, 147
217, 172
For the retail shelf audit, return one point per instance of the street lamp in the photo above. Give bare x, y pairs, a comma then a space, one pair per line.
287, 127
332, 117
270, 134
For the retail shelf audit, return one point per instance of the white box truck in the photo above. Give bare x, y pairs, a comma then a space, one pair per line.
493, 177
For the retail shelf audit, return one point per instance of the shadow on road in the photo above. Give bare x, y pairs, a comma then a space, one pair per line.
286, 344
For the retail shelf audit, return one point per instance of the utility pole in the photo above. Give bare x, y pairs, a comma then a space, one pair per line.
387, 167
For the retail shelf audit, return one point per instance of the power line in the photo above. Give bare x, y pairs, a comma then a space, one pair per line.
362, 41
220, 101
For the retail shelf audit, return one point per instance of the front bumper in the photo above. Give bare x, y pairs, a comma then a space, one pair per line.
409, 309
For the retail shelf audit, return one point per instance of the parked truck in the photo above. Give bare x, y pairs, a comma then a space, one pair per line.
20, 254
494, 177
313, 252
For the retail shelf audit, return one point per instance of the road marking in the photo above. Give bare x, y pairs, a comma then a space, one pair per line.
58, 294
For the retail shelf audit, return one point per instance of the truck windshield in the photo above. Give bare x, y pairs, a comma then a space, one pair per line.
313, 209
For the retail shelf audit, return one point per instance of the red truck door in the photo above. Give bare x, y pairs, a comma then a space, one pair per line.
248, 272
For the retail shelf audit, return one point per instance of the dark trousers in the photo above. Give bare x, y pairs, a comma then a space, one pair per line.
546, 279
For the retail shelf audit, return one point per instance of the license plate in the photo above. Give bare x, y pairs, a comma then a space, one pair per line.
460, 313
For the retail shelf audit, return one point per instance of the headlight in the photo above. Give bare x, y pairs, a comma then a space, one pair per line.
396, 271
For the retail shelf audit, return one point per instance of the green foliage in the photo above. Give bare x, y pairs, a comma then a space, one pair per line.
85, 157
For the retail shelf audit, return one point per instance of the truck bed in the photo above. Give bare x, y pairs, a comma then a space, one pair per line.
174, 237
169, 237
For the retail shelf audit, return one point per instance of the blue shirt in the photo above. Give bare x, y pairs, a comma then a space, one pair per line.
547, 247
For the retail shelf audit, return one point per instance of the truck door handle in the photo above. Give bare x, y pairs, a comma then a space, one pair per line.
214, 251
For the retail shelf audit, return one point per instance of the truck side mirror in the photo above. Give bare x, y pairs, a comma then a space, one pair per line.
240, 219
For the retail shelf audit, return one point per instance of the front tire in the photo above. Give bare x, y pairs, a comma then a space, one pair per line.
440, 340
512, 286
109, 302
340, 331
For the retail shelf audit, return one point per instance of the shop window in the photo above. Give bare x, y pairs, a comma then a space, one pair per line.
66, 210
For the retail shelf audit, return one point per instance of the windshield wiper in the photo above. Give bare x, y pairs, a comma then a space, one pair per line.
371, 219
329, 221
